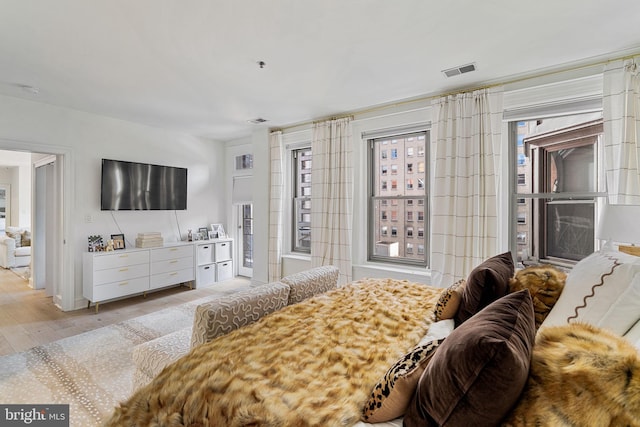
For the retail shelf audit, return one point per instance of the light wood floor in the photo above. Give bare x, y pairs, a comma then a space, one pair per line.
28, 317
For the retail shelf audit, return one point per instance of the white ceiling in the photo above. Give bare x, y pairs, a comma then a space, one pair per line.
191, 65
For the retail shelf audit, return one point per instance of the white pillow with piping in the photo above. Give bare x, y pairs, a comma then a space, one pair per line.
625, 312
592, 287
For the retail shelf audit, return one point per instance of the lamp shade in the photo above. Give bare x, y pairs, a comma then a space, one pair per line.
620, 223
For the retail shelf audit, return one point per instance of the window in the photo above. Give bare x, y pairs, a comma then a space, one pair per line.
409, 184
409, 200
302, 200
557, 187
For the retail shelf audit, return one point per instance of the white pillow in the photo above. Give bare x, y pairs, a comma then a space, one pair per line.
438, 330
593, 285
625, 312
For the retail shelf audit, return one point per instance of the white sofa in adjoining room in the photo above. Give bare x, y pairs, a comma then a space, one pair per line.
15, 247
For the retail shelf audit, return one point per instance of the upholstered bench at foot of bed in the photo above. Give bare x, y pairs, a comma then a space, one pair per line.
308, 283
151, 357
223, 315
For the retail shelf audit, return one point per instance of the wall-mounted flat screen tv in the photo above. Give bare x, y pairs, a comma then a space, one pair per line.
128, 186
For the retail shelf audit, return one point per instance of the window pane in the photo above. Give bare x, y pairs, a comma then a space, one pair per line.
395, 236
302, 201
570, 230
571, 170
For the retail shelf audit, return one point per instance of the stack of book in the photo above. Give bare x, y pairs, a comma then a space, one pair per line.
150, 239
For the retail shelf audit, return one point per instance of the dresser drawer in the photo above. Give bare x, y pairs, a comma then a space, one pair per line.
224, 271
223, 251
121, 288
102, 277
206, 275
171, 278
204, 253
171, 265
171, 252
115, 259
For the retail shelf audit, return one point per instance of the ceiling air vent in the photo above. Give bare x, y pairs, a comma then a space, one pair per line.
257, 121
459, 70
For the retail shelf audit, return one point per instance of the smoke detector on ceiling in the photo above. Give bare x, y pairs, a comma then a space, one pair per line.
460, 70
257, 121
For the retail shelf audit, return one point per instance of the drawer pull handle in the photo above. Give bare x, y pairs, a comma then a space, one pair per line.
123, 270
173, 261
173, 249
206, 268
223, 244
205, 247
123, 283
173, 274
124, 256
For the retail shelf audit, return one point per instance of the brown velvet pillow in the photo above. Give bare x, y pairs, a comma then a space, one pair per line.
480, 370
486, 283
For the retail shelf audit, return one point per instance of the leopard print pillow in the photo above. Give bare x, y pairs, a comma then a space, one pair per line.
449, 301
392, 394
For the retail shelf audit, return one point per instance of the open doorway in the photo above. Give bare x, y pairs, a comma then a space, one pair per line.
41, 209
245, 239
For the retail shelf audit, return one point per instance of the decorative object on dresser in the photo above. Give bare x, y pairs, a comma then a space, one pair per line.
204, 233
118, 241
218, 231
149, 239
95, 242
109, 275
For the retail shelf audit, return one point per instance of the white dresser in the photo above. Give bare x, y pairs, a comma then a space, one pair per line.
171, 265
116, 274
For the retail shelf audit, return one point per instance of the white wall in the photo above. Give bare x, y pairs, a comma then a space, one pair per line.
85, 139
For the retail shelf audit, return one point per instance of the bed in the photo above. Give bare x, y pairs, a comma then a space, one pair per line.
377, 350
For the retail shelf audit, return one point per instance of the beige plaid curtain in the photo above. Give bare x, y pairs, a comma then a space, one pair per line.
276, 203
332, 196
621, 111
466, 179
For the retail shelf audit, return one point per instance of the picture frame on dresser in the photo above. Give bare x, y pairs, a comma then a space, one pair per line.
218, 231
95, 243
118, 241
203, 233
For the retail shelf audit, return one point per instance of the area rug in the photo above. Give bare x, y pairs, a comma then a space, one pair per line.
92, 371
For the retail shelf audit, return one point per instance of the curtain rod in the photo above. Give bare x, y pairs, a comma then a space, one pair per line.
458, 91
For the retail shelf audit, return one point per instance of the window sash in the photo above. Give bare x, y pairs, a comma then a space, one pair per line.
396, 221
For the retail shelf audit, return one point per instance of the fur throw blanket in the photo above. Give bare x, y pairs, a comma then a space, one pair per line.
310, 364
580, 376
